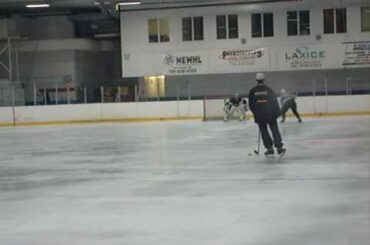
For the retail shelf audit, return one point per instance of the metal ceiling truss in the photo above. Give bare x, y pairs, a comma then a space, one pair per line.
9, 57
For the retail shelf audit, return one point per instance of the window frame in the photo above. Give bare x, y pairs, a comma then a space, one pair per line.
329, 24
264, 22
262, 28
194, 29
227, 30
298, 23
188, 35
153, 38
292, 21
259, 25
159, 37
160, 30
231, 31
301, 23
364, 8
335, 21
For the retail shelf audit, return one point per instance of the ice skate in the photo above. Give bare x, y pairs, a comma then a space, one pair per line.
281, 151
269, 152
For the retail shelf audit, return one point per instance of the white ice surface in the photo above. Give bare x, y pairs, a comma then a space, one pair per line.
177, 183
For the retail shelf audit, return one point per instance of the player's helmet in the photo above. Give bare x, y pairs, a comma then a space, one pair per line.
260, 76
283, 91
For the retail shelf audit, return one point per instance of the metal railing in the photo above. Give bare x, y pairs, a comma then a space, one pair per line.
38, 94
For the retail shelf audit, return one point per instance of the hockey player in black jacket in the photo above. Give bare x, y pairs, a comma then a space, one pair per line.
265, 108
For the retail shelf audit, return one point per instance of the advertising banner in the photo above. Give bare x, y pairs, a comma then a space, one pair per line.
310, 57
183, 64
304, 58
243, 60
240, 60
196, 62
357, 53
171, 63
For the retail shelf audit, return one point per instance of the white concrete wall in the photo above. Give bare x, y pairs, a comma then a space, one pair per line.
135, 27
167, 109
141, 58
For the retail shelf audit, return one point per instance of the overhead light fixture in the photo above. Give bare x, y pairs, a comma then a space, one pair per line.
129, 3
38, 5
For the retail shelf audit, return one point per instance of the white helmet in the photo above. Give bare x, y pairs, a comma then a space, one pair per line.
283, 91
260, 76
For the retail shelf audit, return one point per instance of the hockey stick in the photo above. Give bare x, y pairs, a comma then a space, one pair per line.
257, 152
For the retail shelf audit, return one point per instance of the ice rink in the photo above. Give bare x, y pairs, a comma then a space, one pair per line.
176, 183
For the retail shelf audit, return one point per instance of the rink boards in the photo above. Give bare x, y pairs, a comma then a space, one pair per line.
166, 110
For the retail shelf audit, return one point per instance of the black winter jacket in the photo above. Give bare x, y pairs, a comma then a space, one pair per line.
264, 104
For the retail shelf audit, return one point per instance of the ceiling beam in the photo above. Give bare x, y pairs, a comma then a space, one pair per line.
194, 4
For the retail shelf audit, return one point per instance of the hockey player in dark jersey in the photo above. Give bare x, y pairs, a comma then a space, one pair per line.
287, 101
265, 108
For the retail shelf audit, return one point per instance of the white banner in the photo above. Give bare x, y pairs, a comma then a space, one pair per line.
196, 62
216, 61
242, 60
357, 53
309, 57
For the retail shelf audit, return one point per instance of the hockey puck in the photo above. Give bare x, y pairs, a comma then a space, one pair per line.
249, 154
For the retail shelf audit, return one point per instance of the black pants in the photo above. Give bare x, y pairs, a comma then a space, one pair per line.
290, 104
266, 138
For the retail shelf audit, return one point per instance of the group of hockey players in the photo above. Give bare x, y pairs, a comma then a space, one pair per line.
237, 106
263, 103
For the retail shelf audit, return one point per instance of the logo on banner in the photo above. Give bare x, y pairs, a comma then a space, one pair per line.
242, 57
305, 58
357, 54
182, 64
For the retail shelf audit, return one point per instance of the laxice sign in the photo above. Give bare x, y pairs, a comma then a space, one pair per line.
305, 57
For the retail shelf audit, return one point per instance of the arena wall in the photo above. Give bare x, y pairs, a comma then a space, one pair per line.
165, 110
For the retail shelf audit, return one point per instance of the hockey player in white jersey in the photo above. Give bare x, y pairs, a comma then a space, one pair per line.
287, 101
